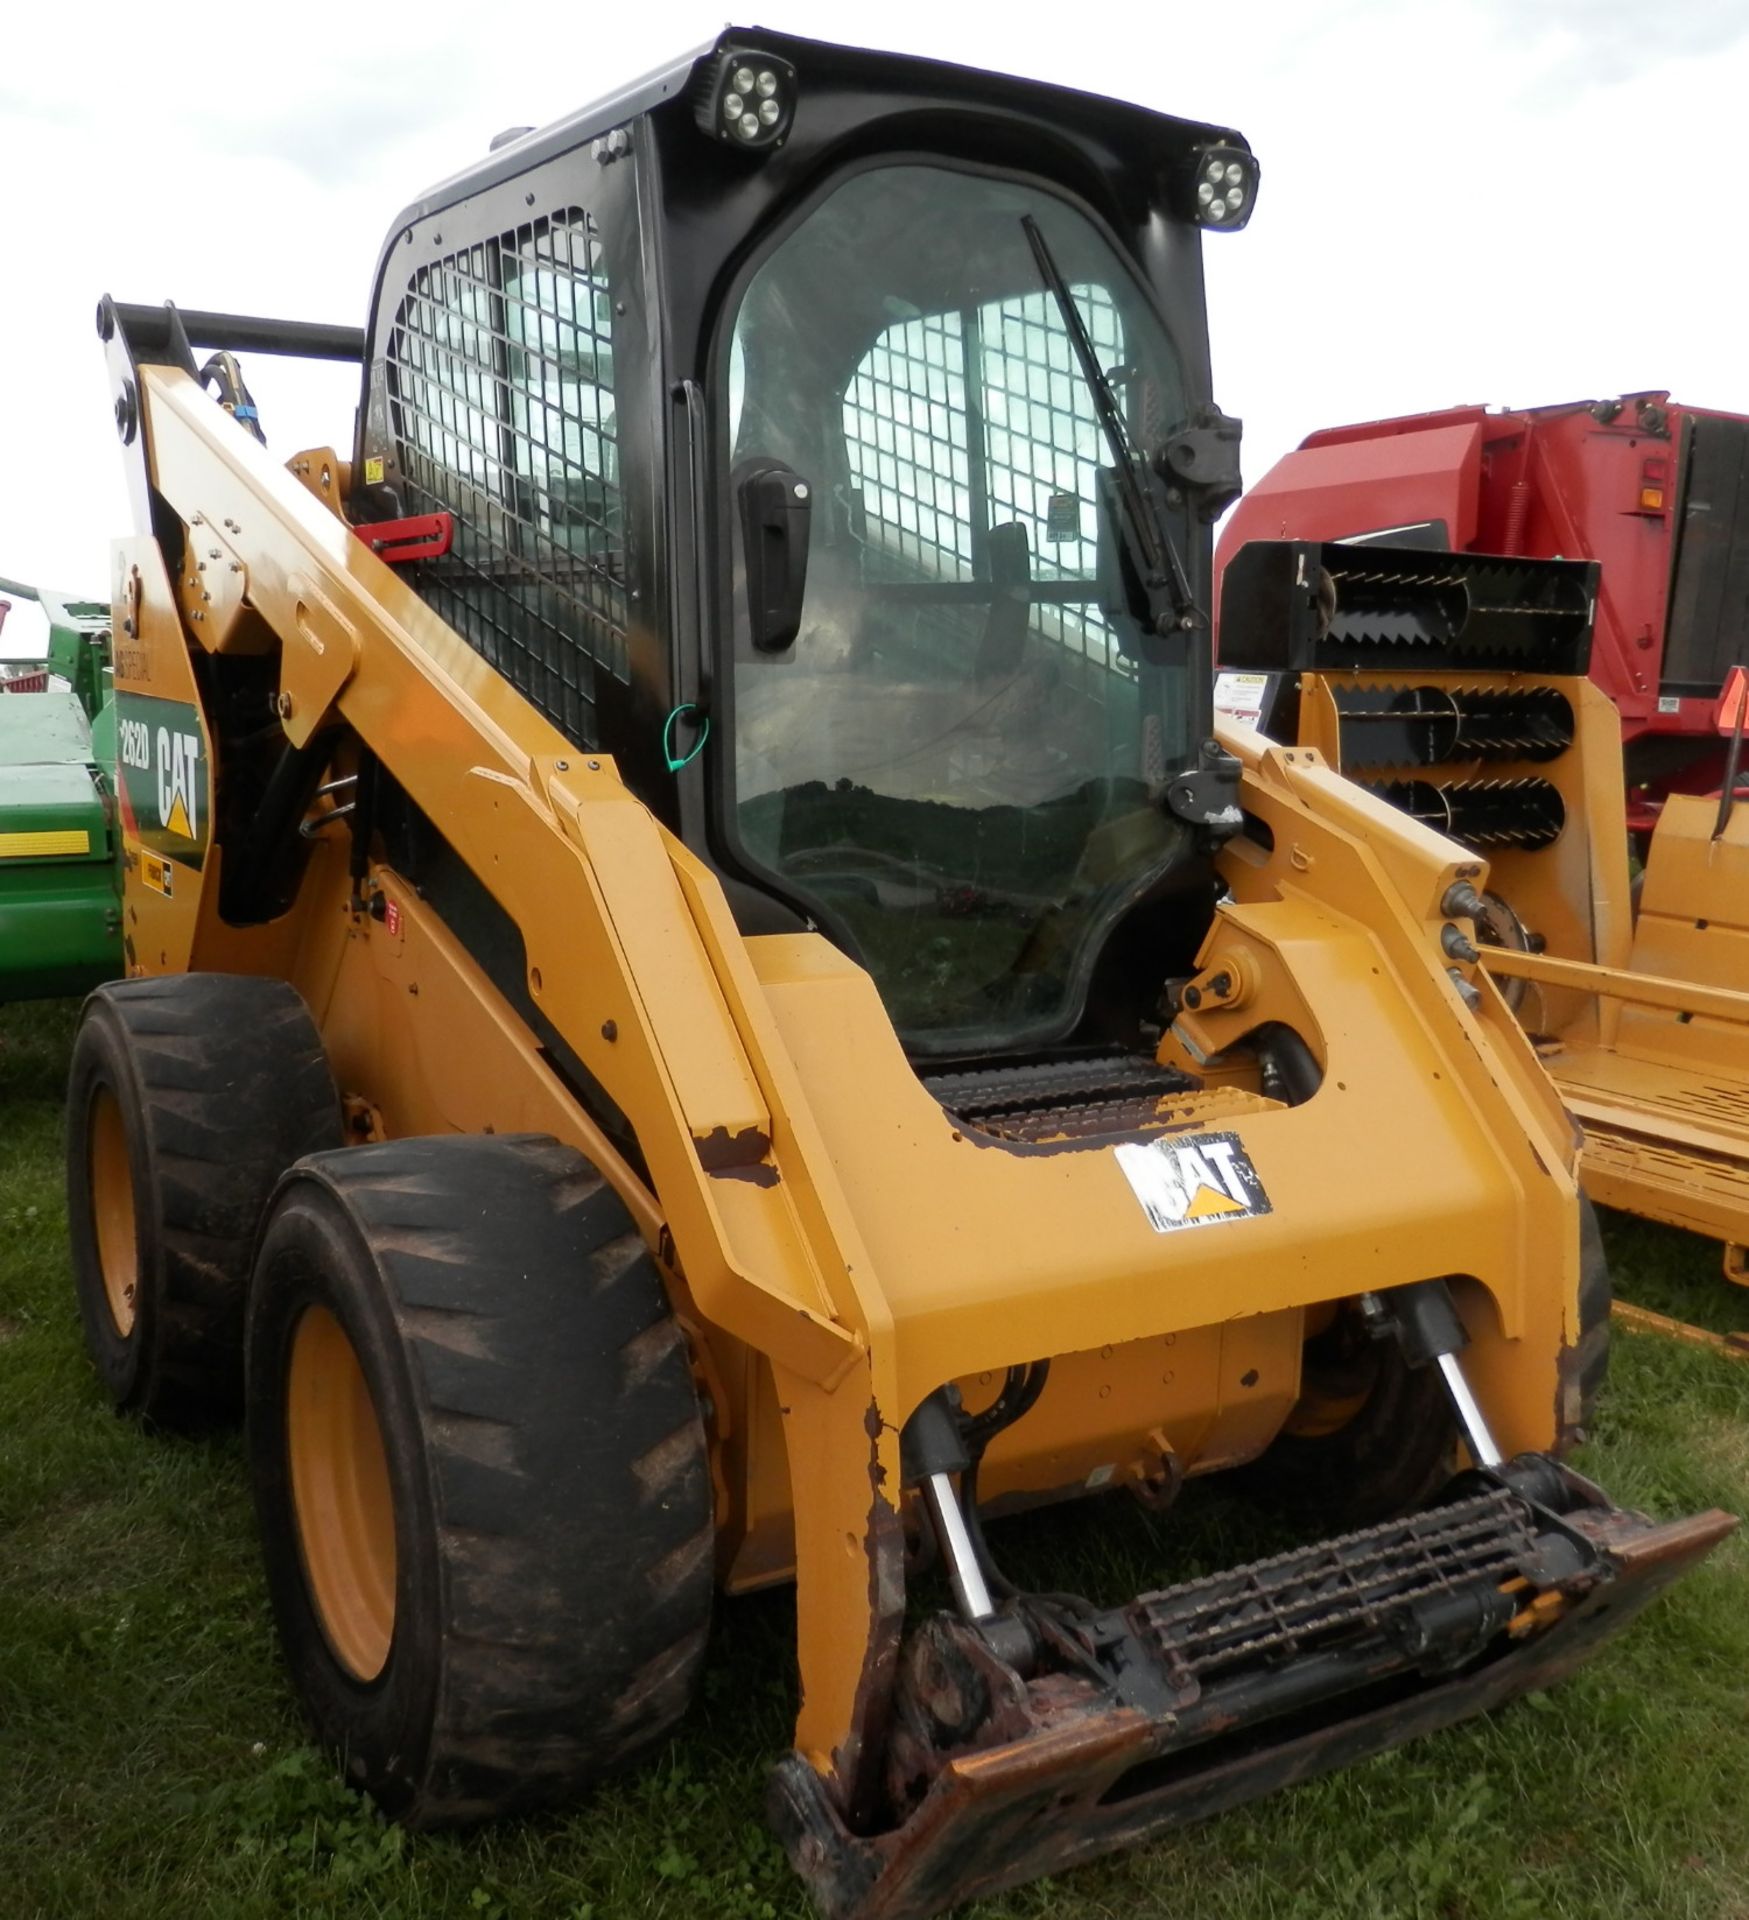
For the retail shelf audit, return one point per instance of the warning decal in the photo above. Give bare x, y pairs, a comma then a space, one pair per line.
1193, 1180
1240, 696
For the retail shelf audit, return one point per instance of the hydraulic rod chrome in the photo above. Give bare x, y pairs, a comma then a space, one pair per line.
964, 1574
1483, 1449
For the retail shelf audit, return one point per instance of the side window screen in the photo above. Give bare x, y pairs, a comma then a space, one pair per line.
905, 424
501, 372
959, 423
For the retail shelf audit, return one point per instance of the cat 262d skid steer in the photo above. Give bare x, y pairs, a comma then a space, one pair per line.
705, 1011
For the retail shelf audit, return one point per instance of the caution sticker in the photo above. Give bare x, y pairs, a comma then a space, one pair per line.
157, 873
1193, 1180
1063, 517
1240, 696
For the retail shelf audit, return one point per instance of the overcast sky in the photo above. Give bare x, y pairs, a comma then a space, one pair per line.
1512, 201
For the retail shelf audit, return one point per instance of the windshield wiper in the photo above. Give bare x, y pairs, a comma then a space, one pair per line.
1141, 517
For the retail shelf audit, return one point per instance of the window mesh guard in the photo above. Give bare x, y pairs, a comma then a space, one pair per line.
960, 422
501, 375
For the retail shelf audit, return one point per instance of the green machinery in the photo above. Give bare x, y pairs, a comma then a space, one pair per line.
60, 912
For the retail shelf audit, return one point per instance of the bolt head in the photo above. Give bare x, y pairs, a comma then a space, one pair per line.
127, 413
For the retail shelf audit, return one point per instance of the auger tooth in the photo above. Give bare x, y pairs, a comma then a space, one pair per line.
1398, 725
1482, 814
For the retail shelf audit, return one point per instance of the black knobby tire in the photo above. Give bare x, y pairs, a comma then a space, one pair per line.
1392, 1455
1400, 1447
195, 1091
1596, 1297
553, 1540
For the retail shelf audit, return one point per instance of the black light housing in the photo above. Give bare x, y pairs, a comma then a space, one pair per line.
748, 100
1216, 186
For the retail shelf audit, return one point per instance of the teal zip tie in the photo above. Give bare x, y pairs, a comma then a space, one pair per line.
704, 733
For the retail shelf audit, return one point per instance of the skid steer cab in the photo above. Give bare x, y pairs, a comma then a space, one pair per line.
708, 1008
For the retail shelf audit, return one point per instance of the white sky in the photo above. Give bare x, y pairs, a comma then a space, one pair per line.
1515, 201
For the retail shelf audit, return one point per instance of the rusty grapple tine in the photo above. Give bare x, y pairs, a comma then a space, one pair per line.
1260, 1678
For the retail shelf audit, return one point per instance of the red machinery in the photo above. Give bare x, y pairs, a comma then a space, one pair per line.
1656, 491
20, 676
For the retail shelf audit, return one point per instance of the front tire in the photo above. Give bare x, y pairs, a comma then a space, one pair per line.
480, 1472
1371, 1437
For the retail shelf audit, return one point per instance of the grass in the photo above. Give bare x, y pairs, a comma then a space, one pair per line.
152, 1762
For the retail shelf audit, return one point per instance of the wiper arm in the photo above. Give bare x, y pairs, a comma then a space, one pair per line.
1171, 604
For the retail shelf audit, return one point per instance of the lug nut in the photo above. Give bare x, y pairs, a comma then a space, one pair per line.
1466, 992
1457, 944
1461, 902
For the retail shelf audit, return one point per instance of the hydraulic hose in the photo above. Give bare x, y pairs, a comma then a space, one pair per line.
1290, 1068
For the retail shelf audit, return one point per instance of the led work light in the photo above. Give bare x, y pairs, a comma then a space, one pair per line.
1218, 186
750, 100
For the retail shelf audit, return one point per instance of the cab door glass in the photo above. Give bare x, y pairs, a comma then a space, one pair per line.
959, 758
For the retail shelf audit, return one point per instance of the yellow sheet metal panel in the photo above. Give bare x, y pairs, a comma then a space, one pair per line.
1667, 1182
165, 773
1001, 1256
1694, 924
1644, 1022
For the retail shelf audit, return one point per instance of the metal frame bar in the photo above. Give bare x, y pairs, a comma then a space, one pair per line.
1734, 1346
148, 327
1611, 983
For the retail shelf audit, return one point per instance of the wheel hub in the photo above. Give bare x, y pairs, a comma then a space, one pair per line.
112, 1209
341, 1494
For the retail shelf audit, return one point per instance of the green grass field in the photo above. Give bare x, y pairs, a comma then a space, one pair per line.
152, 1761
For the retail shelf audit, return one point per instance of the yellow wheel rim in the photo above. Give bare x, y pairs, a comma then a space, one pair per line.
340, 1494
1316, 1415
1322, 1408
112, 1208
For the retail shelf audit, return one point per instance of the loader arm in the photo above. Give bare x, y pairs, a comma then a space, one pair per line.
599, 893
592, 885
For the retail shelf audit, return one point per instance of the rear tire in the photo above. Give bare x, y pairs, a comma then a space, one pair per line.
1596, 1297
188, 1097
468, 1398
1398, 1444
1385, 1444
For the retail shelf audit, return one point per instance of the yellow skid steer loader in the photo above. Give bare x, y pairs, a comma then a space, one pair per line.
706, 1008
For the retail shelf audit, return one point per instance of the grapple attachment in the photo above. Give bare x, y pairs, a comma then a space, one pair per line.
1056, 1734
